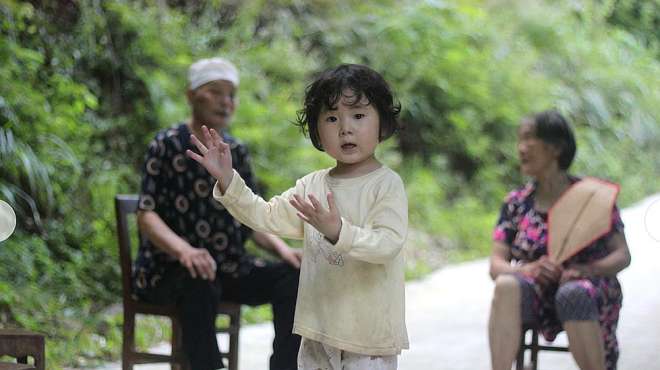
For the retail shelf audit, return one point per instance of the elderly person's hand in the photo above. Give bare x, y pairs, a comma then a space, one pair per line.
199, 262
292, 256
576, 271
543, 271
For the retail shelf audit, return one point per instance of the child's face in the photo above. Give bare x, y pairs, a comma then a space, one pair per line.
349, 133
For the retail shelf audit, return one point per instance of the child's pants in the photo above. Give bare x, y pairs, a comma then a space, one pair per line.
318, 356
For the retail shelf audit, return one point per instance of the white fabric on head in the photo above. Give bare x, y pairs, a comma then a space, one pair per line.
212, 69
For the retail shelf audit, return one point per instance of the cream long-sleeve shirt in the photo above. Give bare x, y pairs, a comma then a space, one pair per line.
351, 294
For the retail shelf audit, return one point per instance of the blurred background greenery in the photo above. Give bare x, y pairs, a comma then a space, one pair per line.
86, 84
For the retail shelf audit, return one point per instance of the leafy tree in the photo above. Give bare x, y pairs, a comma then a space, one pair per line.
86, 84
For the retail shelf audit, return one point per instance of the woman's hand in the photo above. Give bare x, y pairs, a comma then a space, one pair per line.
576, 271
216, 156
543, 271
198, 261
326, 221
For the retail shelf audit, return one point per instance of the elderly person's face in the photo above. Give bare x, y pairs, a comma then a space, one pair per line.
213, 103
536, 156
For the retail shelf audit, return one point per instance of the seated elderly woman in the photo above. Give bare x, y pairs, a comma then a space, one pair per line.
582, 295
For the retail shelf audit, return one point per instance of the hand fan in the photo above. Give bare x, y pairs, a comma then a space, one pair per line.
581, 215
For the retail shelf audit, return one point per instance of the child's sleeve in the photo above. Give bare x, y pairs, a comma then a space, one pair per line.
385, 230
277, 216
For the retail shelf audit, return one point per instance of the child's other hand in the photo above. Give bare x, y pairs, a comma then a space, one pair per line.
216, 156
327, 222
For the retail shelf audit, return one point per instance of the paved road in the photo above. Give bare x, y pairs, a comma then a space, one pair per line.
447, 314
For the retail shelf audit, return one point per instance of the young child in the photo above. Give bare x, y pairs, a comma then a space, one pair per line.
353, 219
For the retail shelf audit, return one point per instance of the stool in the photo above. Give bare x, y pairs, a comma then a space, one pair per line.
20, 344
534, 348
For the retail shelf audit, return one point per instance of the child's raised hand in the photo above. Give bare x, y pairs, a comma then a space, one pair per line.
327, 222
216, 156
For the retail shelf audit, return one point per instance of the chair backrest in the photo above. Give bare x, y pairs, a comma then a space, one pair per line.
125, 205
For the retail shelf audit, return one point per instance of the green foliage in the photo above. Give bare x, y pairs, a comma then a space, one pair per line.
604, 80
639, 17
87, 84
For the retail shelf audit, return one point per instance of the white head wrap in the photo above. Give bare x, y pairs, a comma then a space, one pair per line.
212, 69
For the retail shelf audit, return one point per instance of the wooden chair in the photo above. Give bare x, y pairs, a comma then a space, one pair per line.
534, 347
124, 206
22, 344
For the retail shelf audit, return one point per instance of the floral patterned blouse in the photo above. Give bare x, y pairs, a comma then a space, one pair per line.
525, 231
180, 191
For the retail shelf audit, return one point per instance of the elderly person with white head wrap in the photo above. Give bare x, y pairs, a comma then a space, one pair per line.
192, 250
212, 93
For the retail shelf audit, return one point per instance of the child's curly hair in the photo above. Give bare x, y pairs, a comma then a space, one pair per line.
326, 91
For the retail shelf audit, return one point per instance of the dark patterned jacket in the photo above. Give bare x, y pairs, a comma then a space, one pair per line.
180, 191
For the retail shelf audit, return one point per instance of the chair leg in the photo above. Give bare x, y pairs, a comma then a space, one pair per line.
40, 356
234, 324
176, 342
128, 342
535, 349
520, 359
